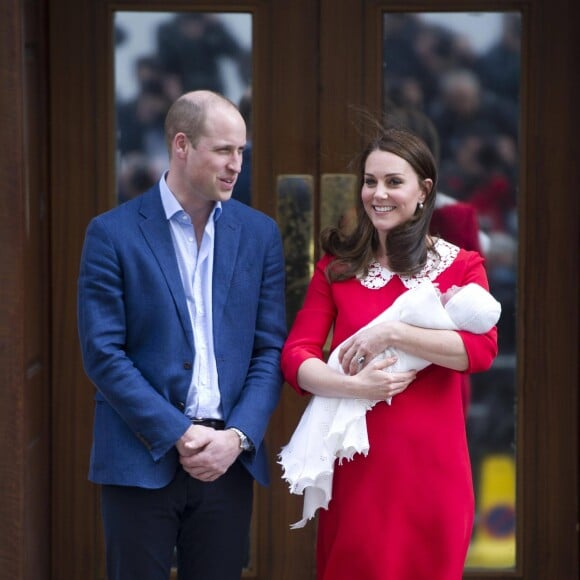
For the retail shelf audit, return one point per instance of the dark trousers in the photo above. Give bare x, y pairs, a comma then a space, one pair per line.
205, 524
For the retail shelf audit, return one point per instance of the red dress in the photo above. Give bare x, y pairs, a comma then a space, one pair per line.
405, 511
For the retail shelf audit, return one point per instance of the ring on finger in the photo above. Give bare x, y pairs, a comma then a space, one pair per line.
360, 360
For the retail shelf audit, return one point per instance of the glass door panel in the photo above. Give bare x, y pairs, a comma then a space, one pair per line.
158, 57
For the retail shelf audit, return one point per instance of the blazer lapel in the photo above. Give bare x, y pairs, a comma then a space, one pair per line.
227, 242
156, 231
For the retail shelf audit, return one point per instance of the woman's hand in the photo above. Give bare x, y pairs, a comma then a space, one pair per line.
376, 383
362, 348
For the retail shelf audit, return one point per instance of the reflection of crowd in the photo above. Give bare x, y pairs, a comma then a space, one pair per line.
473, 101
189, 51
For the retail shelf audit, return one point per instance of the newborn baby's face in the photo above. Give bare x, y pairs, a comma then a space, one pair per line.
446, 296
473, 309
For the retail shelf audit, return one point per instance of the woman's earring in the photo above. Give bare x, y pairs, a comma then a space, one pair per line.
421, 205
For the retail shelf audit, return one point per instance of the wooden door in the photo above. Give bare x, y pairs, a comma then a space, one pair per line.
313, 62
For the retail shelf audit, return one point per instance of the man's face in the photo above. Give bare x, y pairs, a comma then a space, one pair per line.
213, 165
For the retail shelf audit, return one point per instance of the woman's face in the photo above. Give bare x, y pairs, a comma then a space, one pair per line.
391, 190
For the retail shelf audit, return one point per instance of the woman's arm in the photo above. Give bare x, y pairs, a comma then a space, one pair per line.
458, 350
440, 347
372, 382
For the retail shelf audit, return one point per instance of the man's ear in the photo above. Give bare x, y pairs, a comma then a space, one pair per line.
180, 144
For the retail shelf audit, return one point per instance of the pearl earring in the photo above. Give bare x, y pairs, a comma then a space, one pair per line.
420, 205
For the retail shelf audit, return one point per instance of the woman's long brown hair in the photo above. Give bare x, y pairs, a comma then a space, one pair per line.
408, 244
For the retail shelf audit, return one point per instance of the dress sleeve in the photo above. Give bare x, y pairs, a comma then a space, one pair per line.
481, 348
311, 326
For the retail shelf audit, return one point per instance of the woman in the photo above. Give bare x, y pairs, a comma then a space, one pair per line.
405, 511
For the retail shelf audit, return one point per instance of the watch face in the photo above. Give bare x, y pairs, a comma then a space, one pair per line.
246, 445
244, 441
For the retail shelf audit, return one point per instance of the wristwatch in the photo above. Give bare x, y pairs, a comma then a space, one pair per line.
245, 443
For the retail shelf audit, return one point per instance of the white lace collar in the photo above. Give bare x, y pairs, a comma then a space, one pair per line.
379, 276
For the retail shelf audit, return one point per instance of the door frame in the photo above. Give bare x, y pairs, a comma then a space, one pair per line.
547, 375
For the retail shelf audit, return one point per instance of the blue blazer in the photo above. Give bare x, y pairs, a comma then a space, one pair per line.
137, 341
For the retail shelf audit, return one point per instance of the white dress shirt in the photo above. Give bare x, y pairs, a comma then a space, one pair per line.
196, 269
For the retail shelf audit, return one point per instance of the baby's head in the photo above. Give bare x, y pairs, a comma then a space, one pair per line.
472, 308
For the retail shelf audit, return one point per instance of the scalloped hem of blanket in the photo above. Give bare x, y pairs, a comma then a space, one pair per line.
341, 440
317, 492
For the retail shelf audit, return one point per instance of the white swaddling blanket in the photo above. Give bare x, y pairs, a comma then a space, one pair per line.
335, 428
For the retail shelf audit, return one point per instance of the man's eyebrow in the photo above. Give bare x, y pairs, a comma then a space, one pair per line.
228, 146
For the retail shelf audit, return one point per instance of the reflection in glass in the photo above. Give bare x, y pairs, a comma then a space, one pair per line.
454, 79
295, 219
338, 196
158, 57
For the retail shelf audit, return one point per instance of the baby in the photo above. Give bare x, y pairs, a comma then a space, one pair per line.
333, 428
468, 308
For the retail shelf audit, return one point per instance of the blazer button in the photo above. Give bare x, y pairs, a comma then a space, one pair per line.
181, 406
187, 366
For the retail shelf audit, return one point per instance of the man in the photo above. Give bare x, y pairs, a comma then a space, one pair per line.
181, 322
